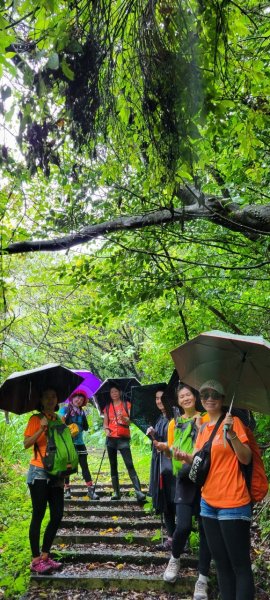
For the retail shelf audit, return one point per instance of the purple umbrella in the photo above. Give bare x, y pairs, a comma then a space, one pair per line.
89, 384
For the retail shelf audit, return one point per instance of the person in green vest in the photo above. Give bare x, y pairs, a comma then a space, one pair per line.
182, 434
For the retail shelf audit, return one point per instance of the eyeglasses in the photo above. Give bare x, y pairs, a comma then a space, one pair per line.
210, 394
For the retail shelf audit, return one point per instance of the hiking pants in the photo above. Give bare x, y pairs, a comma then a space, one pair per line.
229, 543
127, 458
43, 493
82, 456
184, 513
169, 519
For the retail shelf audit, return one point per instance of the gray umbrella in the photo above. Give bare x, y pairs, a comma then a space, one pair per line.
241, 363
21, 391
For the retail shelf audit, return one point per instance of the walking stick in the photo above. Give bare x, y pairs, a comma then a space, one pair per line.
94, 487
162, 492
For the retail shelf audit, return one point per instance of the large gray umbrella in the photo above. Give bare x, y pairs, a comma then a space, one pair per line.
241, 363
21, 391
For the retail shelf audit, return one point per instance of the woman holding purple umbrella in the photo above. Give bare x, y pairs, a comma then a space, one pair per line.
73, 414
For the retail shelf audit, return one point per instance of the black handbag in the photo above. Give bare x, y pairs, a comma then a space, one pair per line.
202, 459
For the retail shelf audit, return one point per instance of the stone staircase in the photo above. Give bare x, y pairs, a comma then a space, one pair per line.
107, 548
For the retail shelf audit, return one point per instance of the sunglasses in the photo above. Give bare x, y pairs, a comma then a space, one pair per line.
210, 394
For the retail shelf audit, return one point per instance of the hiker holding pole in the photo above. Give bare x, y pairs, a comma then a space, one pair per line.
162, 481
182, 434
116, 426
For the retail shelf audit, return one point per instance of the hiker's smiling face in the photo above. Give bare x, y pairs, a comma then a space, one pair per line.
159, 402
78, 400
49, 400
186, 399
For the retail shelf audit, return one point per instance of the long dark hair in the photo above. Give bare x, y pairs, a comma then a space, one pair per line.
166, 403
198, 404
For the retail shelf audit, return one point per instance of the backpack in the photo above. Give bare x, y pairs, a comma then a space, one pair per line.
184, 438
254, 473
61, 458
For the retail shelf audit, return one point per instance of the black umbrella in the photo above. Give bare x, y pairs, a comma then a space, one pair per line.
102, 395
144, 411
21, 391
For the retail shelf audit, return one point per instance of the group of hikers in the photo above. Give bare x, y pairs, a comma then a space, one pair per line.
223, 507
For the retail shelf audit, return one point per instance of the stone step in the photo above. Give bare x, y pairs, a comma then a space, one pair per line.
104, 492
95, 511
112, 579
124, 554
75, 537
94, 523
79, 501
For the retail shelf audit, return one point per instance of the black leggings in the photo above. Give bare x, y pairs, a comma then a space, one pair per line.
82, 456
183, 528
229, 543
169, 519
43, 493
127, 458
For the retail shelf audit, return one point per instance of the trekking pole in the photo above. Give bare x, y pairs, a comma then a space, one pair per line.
94, 487
162, 493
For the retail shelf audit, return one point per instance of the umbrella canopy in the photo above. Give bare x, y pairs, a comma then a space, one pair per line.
241, 363
144, 411
90, 383
21, 391
102, 395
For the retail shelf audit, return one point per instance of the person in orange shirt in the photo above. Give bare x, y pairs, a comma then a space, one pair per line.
116, 426
226, 508
43, 490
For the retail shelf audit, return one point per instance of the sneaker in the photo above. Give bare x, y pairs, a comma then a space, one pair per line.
200, 591
53, 564
40, 566
167, 546
67, 494
172, 570
92, 494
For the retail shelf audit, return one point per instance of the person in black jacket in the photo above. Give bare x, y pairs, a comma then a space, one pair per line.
74, 414
162, 480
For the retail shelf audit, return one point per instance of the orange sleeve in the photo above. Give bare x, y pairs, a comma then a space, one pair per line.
170, 434
33, 425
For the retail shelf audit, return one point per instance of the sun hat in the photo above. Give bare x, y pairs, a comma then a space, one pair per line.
79, 392
213, 384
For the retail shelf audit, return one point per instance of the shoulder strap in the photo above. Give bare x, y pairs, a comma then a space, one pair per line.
219, 421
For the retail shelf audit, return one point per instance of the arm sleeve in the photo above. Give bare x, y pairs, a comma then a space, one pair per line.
170, 435
32, 426
85, 425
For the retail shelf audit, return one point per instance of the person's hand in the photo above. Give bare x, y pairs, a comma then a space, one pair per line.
126, 419
150, 431
107, 431
178, 455
160, 446
44, 423
228, 422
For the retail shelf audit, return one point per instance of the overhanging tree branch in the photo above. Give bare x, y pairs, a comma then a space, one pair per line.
251, 221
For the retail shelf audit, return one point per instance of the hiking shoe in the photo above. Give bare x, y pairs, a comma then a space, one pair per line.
40, 566
67, 494
167, 545
92, 494
141, 497
200, 591
53, 563
115, 496
172, 570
